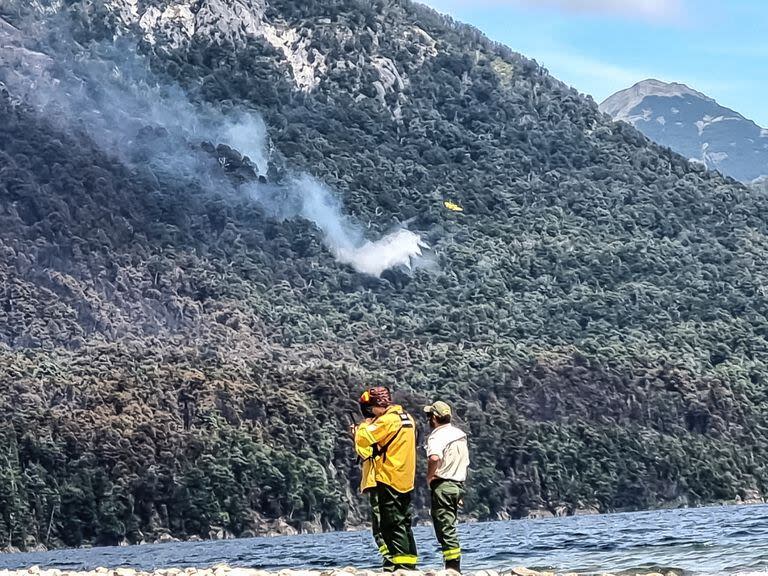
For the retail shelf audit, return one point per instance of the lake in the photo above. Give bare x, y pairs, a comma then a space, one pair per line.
718, 540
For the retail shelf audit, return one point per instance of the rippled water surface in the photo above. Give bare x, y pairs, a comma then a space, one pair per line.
725, 540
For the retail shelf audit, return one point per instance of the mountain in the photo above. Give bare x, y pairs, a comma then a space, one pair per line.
760, 184
695, 126
219, 221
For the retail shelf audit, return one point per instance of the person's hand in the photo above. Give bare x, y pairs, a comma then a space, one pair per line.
352, 429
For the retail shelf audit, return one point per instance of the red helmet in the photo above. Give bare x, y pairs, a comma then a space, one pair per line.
378, 396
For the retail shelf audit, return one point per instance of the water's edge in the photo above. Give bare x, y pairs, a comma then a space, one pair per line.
224, 570
280, 527
703, 541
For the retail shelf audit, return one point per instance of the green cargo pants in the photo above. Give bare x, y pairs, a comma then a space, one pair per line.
446, 495
376, 525
395, 526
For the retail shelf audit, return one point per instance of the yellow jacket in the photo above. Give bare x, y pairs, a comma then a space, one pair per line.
392, 438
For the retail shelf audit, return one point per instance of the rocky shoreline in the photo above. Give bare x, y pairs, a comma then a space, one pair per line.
224, 570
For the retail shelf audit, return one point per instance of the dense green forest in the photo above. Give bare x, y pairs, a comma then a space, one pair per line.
175, 361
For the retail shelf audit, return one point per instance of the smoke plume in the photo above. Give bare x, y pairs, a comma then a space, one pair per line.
345, 241
108, 92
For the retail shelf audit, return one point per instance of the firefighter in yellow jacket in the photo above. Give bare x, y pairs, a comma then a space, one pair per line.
391, 436
368, 479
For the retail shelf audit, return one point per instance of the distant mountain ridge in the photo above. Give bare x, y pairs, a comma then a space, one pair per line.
695, 125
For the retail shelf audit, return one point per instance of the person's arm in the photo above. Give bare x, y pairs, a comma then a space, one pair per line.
363, 451
434, 457
373, 432
433, 463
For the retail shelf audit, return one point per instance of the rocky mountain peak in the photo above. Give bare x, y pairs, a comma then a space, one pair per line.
695, 125
620, 105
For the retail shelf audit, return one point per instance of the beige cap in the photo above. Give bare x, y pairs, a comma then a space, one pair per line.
438, 408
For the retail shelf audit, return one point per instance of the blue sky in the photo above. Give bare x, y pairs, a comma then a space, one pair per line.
719, 47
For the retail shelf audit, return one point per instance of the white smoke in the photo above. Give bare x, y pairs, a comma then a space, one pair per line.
109, 93
317, 204
399, 248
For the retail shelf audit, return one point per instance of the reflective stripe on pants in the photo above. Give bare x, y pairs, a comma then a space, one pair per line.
452, 554
405, 559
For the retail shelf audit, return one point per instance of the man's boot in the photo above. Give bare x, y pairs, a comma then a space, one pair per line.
453, 565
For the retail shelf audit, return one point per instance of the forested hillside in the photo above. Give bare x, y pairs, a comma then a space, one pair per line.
178, 358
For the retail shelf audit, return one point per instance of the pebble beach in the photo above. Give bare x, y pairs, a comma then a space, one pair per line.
223, 570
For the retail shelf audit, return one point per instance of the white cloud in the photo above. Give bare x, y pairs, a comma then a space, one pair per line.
600, 78
649, 10
657, 10
587, 74
733, 49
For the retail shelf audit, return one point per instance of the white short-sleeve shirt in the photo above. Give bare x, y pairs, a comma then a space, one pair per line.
450, 445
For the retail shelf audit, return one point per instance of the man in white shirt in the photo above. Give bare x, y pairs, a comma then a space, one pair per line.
448, 460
